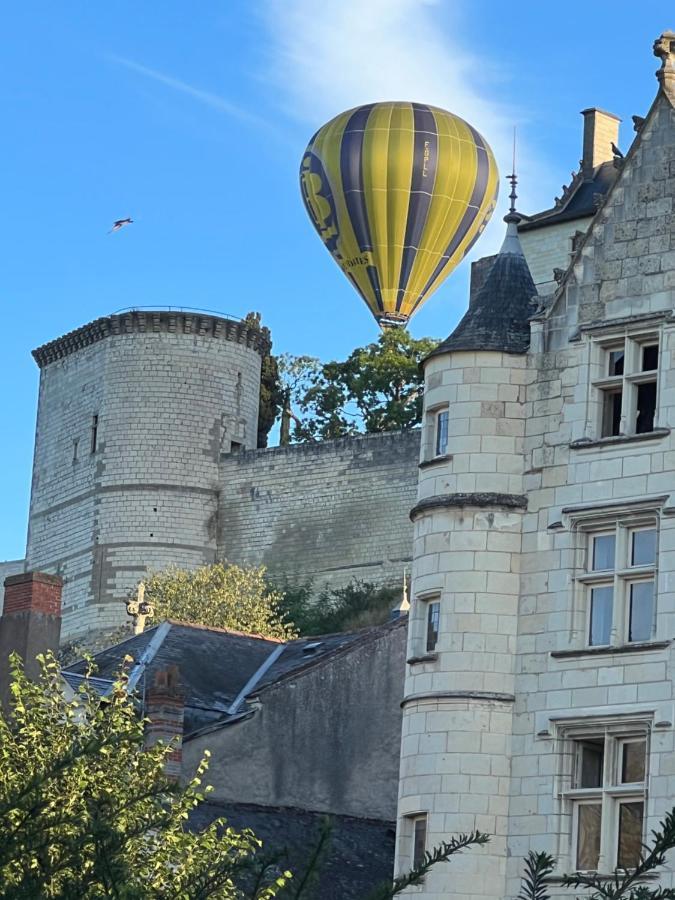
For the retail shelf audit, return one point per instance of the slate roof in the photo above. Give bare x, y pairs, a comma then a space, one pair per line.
360, 854
498, 317
578, 202
216, 664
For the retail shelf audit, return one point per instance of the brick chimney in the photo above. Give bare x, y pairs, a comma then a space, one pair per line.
164, 707
601, 130
30, 623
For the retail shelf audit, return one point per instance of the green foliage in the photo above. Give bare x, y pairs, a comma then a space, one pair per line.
219, 596
271, 392
86, 811
625, 884
327, 611
538, 866
442, 853
377, 388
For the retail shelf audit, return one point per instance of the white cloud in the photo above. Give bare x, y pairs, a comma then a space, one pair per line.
215, 101
330, 55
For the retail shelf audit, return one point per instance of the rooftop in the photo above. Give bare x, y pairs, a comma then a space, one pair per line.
217, 666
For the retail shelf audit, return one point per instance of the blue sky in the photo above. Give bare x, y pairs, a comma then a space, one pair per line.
192, 118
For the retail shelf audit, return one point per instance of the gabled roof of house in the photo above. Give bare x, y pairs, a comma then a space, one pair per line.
360, 854
218, 667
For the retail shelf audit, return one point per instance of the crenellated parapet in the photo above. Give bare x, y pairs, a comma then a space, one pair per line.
152, 322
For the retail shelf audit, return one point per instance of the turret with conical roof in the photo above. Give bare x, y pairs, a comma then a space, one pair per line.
459, 689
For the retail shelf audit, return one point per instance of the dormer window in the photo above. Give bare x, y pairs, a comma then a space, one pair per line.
628, 386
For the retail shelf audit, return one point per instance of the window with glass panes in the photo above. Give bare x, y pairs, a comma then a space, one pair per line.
628, 386
442, 419
619, 583
607, 799
433, 624
419, 839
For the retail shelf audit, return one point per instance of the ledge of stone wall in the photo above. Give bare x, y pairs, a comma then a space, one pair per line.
458, 501
141, 321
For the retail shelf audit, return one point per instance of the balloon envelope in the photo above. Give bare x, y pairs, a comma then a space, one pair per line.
398, 193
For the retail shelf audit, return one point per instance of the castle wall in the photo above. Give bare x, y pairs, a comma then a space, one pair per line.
165, 393
331, 512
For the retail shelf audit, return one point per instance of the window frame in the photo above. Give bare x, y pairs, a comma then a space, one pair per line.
414, 819
443, 411
621, 577
419, 623
628, 381
433, 604
611, 794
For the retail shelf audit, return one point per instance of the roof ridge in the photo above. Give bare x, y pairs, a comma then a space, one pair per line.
222, 630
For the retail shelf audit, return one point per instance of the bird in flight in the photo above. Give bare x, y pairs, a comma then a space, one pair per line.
120, 223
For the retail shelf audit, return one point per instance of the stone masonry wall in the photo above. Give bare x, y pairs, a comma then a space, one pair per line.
548, 248
623, 285
171, 391
331, 512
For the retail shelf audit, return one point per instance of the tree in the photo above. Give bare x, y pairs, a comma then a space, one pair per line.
219, 596
271, 393
86, 811
377, 388
297, 374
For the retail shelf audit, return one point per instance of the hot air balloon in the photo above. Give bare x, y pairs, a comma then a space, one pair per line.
398, 193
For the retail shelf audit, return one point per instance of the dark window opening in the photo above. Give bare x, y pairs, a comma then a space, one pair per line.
646, 407
611, 413
650, 358
76, 443
94, 433
235, 446
592, 764
616, 361
433, 623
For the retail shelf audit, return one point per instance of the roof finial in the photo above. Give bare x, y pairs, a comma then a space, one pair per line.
513, 178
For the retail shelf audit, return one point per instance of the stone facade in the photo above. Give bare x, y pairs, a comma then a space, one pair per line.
134, 412
546, 535
329, 512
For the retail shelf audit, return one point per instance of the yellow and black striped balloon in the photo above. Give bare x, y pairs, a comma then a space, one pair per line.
398, 192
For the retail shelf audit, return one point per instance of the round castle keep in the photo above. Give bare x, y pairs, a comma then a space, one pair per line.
134, 412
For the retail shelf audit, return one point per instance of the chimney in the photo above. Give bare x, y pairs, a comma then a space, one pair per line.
165, 708
30, 623
601, 130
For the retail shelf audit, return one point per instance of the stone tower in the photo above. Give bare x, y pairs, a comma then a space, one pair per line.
134, 412
459, 688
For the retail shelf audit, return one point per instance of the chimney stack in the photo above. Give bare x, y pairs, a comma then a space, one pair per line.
601, 130
30, 623
165, 708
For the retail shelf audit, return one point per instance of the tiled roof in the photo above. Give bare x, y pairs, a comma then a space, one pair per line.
360, 853
216, 664
498, 316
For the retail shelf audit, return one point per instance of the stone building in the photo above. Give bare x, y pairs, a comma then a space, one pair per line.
539, 701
